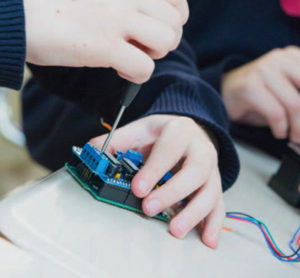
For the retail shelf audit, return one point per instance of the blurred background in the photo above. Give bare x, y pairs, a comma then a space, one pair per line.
16, 166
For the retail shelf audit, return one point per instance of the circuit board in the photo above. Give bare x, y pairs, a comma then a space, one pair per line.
107, 177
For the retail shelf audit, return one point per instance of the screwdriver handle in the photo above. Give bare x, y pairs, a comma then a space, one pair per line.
130, 93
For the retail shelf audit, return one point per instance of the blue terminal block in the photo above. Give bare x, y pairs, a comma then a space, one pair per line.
135, 157
108, 177
93, 158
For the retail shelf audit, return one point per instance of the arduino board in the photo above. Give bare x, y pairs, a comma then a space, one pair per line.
107, 177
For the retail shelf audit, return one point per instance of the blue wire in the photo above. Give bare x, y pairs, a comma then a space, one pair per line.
266, 239
293, 240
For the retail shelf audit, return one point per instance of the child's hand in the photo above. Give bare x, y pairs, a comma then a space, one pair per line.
175, 143
266, 92
123, 34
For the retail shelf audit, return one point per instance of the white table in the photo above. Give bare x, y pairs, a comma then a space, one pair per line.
61, 222
17, 263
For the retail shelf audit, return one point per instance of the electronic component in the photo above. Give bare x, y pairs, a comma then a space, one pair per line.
107, 177
286, 182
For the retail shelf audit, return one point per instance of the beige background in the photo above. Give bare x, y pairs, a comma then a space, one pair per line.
16, 166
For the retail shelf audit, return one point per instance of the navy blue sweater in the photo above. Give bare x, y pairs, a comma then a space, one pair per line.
220, 37
52, 124
228, 34
12, 43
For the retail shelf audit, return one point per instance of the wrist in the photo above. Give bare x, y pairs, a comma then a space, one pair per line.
211, 136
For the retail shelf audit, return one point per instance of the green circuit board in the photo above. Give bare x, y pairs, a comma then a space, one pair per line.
93, 191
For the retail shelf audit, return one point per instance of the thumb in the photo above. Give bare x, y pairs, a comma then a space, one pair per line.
132, 136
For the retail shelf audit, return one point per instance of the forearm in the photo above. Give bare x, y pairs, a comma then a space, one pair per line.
12, 43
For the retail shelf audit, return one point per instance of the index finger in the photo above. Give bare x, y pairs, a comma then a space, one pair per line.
165, 154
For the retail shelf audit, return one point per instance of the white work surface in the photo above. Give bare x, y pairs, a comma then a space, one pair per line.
16, 263
60, 221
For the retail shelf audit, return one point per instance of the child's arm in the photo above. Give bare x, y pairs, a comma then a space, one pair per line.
174, 88
265, 92
193, 107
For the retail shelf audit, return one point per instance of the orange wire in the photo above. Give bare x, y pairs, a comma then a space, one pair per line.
223, 228
106, 125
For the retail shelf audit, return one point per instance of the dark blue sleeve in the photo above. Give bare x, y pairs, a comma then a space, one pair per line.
212, 73
174, 88
12, 43
181, 91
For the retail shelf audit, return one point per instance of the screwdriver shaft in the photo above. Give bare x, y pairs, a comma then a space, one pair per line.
113, 128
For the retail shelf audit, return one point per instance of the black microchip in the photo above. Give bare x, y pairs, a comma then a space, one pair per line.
129, 167
114, 166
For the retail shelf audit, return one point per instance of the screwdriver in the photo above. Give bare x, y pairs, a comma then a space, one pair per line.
128, 96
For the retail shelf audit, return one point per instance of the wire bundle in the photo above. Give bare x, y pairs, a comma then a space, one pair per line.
275, 250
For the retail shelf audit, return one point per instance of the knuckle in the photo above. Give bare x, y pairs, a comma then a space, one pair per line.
278, 132
169, 39
182, 122
276, 115
276, 52
186, 14
185, 124
291, 48
177, 21
294, 107
178, 38
145, 71
251, 84
211, 153
175, 2
264, 65
295, 137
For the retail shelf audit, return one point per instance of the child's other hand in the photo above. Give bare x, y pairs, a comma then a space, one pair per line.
265, 92
175, 143
126, 35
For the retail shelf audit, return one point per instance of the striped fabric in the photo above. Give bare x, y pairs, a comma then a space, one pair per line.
12, 43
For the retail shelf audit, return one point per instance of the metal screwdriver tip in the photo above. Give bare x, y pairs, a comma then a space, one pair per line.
120, 114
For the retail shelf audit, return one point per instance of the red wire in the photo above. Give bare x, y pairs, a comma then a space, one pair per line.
264, 231
271, 243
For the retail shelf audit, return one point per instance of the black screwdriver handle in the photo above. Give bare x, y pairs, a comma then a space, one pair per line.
130, 93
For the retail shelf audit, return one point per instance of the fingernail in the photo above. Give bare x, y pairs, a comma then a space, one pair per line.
143, 186
153, 207
182, 227
213, 240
